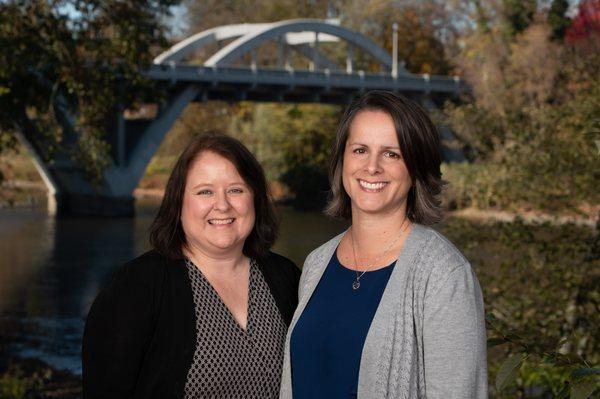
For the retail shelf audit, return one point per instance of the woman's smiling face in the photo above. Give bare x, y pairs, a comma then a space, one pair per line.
217, 213
374, 174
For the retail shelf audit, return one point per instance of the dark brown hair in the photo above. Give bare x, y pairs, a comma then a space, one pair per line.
419, 144
166, 232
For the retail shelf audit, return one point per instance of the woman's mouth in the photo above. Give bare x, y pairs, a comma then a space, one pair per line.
220, 222
372, 187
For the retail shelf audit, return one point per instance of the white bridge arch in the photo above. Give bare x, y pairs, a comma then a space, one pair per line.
300, 35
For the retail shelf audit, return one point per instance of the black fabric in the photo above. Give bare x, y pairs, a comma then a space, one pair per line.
140, 334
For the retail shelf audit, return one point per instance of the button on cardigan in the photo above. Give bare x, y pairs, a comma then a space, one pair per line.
427, 338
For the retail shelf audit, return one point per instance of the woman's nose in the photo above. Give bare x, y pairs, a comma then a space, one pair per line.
373, 166
221, 202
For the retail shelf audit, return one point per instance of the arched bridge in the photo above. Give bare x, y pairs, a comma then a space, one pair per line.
228, 63
224, 75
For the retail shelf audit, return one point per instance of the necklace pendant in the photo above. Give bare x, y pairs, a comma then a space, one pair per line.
356, 285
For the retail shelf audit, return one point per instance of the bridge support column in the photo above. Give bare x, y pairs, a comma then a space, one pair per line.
67, 196
281, 52
314, 63
253, 59
71, 194
349, 60
395, 50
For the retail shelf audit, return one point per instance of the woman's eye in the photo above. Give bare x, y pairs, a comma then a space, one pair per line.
392, 154
204, 192
236, 190
359, 151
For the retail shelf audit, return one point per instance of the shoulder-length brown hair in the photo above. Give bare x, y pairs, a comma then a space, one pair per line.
166, 232
419, 144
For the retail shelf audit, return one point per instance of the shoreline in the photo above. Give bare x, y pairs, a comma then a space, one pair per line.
33, 190
40, 379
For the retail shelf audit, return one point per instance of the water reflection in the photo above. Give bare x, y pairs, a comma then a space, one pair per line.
26, 243
51, 270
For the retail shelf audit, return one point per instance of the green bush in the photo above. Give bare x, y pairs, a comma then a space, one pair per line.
474, 185
15, 384
541, 288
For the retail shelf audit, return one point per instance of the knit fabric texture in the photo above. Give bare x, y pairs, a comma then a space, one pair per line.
427, 339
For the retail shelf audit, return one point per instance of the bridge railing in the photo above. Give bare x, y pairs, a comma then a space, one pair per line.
324, 79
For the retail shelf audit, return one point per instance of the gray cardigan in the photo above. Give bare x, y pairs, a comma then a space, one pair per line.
427, 338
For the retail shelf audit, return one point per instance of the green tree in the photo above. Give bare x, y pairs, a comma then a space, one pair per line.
419, 45
557, 18
293, 143
518, 15
204, 14
533, 103
67, 65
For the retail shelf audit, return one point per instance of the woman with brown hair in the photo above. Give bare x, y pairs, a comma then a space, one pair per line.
389, 308
205, 313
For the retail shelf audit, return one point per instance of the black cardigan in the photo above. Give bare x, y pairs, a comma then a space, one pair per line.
140, 334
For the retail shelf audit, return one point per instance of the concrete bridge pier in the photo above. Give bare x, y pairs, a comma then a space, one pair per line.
133, 144
71, 194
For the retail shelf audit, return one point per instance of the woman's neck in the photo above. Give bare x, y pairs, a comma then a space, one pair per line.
223, 264
373, 233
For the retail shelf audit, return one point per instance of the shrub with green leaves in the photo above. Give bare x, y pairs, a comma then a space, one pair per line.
15, 384
541, 286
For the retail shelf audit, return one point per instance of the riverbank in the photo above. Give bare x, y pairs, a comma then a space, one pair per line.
31, 194
31, 378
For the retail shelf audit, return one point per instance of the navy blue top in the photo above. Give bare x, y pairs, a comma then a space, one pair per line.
327, 342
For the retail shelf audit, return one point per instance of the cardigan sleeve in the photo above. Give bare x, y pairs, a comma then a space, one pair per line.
117, 332
304, 273
454, 338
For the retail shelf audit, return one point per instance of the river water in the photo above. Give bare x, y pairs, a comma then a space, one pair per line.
51, 270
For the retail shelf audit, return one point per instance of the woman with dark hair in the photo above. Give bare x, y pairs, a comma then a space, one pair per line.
204, 314
389, 308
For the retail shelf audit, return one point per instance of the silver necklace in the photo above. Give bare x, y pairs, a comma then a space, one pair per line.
356, 282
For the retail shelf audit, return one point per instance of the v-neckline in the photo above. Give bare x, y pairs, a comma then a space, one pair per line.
245, 331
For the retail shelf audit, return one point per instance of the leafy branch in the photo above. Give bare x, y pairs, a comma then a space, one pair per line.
582, 378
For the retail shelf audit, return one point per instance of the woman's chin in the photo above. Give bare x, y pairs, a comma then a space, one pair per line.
376, 207
225, 245
369, 207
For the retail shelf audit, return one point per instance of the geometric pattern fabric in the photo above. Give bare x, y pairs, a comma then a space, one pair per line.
230, 363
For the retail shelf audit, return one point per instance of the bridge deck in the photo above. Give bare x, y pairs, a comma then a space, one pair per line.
335, 87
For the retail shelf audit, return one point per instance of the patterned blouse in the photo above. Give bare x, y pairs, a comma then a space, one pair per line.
230, 362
